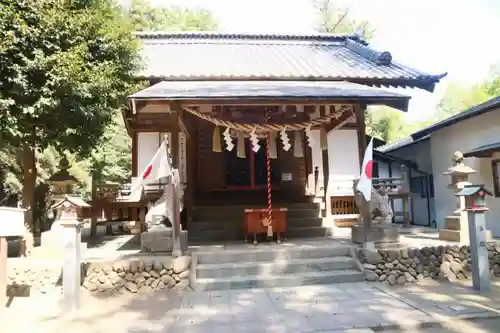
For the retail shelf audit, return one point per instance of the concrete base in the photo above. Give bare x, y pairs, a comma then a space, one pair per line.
161, 241
381, 235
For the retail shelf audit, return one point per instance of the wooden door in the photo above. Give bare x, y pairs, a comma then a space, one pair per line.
250, 172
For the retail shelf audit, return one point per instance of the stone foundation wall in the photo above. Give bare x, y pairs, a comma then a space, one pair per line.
400, 267
132, 275
138, 275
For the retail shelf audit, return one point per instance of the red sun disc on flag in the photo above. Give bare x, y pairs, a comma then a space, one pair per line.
146, 172
369, 169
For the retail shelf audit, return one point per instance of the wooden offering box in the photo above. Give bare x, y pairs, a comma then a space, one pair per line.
256, 222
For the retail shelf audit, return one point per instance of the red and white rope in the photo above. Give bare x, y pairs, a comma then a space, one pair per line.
269, 185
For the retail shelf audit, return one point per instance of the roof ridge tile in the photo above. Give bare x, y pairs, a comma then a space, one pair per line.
258, 36
379, 57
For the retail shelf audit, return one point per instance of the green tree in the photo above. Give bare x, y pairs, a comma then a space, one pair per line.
67, 66
385, 123
492, 84
333, 19
111, 158
146, 17
458, 98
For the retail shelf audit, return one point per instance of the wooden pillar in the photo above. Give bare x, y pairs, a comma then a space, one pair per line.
93, 210
406, 214
134, 153
308, 164
327, 200
364, 210
191, 165
3, 272
359, 111
174, 150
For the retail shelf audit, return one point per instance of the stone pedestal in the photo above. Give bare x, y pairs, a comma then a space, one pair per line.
161, 240
382, 235
54, 240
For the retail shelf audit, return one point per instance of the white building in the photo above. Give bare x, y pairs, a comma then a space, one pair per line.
474, 132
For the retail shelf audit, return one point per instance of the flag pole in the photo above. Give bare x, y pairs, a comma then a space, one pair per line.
364, 188
176, 246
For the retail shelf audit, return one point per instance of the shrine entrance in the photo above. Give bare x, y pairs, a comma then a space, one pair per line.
250, 172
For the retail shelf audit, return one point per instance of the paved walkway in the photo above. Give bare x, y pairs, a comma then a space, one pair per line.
331, 308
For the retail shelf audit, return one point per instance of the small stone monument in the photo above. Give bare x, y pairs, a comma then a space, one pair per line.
69, 212
159, 234
61, 188
475, 208
456, 227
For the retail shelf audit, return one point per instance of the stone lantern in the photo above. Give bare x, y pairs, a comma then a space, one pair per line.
62, 182
61, 188
456, 225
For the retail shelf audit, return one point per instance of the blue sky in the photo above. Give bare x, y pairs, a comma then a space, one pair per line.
455, 36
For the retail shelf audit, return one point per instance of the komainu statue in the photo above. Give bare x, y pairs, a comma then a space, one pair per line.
379, 204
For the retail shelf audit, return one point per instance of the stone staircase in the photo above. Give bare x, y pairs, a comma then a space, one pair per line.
274, 265
225, 223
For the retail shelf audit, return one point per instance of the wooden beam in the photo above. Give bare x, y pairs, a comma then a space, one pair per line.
183, 127
174, 130
335, 123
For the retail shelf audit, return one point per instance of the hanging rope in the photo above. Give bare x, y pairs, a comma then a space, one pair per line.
269, 188
269, 126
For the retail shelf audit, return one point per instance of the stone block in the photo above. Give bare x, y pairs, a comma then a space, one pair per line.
452, 222
161, 240
378, 233
450, 235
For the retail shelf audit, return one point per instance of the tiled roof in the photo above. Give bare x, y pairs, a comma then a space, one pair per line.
484, 150
216, 56
285, 90
425, 133
401, 143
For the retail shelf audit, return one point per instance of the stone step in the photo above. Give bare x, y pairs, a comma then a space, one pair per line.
272, 253
238, 210
238, 224
235, 234
218, 214
285, 280
308, 232
278, 267
216, 235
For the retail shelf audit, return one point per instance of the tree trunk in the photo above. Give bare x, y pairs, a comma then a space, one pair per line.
28, 197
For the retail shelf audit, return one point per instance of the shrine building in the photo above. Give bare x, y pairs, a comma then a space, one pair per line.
227, 100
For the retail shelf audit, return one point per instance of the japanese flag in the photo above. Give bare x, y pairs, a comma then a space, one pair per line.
365, 180
158, 168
